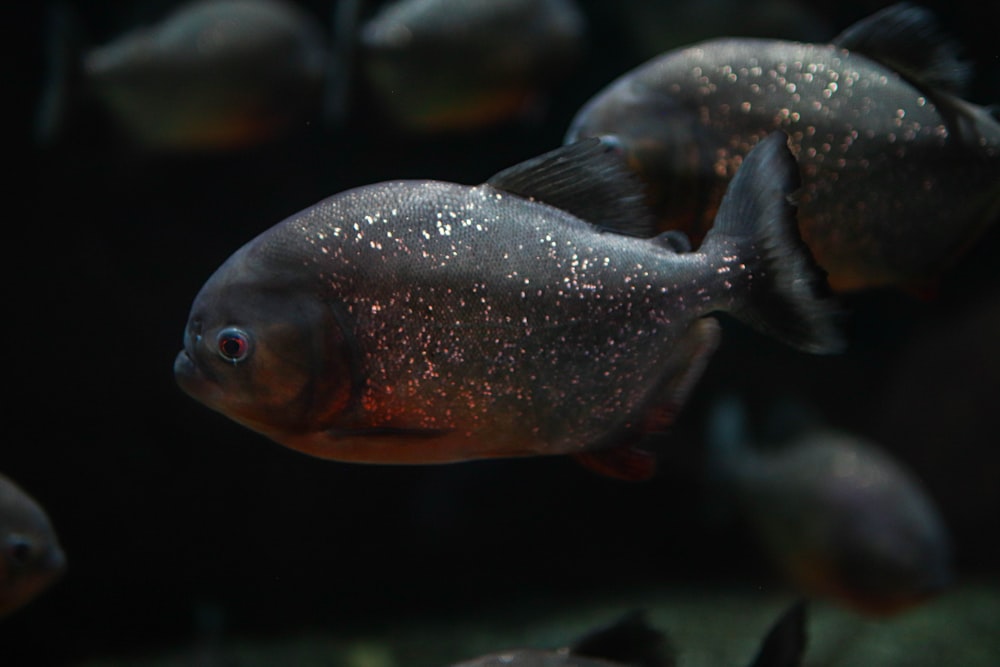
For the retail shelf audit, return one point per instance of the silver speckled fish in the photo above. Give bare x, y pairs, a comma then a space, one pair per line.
30, 555
422, 321
899, 174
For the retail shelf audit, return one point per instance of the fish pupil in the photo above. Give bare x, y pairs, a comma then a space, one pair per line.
233, 344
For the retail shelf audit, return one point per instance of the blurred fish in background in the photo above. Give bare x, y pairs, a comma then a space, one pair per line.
213, 75
900, 175
452, 65
838, 516
31, 558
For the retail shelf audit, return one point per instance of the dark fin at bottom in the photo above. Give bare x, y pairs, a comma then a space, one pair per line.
628, 463
787, 296
628, 641
785, 643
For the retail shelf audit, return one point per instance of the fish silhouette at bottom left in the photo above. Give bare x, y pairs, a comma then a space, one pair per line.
429, 322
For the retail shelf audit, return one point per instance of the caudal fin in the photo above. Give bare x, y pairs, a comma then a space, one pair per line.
787, 296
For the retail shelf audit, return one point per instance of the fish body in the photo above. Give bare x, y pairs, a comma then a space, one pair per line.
422, 321
438, 65
899, 174
31, 558
841, 518
215, 74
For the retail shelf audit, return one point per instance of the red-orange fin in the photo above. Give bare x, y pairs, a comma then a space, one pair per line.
624, 462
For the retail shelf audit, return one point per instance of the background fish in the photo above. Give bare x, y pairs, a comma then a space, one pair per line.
214, 74
421, 321
628, 642
632, 642
30, 556
900, 176
437, 65
837, 515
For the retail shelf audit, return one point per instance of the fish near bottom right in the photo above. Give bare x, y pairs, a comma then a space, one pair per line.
836, 514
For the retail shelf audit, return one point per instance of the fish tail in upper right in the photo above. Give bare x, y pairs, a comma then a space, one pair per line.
786, 295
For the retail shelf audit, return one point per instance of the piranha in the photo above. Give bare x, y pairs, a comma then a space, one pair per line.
452, 65
424, 321
900, 175
215, 74
632, 642
838, 516
30, 556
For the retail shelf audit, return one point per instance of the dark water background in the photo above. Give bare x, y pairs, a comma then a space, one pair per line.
167, 509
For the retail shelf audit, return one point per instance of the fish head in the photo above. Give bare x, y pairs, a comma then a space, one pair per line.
263, 347
31, 557
663, 142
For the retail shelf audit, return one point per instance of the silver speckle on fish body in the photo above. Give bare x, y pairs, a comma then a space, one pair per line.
427, 321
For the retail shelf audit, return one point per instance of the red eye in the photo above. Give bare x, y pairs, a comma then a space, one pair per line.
233, 344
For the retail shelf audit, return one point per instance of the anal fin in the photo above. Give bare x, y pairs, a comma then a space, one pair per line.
625, 462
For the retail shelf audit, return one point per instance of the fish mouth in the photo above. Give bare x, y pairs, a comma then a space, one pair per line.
188, 376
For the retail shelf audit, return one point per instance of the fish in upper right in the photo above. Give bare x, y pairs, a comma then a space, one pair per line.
900, 175
31, 558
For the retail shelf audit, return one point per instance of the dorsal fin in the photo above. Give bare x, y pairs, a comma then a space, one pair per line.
629, 641
909, 40
589, 179
785, 643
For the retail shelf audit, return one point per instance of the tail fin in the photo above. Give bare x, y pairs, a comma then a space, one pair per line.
789, 297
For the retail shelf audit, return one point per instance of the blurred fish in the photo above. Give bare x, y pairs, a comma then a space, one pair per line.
423, 321
629, 642
215, 74
900, 175
632, 642
30, 555
436, 65
838, 516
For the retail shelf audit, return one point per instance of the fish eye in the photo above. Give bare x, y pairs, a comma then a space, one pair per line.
19, 550
233, 344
